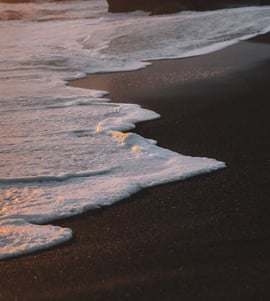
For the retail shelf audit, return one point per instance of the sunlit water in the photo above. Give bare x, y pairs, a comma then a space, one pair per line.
63, 150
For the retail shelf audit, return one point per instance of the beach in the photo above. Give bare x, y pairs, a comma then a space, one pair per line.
205, 238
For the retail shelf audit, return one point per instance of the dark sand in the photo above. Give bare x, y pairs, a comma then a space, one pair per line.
206, 238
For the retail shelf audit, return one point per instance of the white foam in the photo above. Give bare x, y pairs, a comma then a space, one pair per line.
140, 164
65, 150
19, 237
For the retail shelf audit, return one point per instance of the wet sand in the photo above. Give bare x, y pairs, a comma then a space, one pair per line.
206, 238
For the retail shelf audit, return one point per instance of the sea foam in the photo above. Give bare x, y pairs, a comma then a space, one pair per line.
67, 150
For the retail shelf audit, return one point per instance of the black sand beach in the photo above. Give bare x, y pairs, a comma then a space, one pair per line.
206, 238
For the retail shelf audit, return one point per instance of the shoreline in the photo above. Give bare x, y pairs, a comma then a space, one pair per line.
205, 238
138, 85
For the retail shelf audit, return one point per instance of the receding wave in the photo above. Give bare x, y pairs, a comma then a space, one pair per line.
32, 14
41, 11
10, 15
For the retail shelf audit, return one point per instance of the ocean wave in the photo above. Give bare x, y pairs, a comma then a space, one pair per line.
43, 11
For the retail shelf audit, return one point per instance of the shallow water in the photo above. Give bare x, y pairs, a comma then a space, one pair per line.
65, 150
